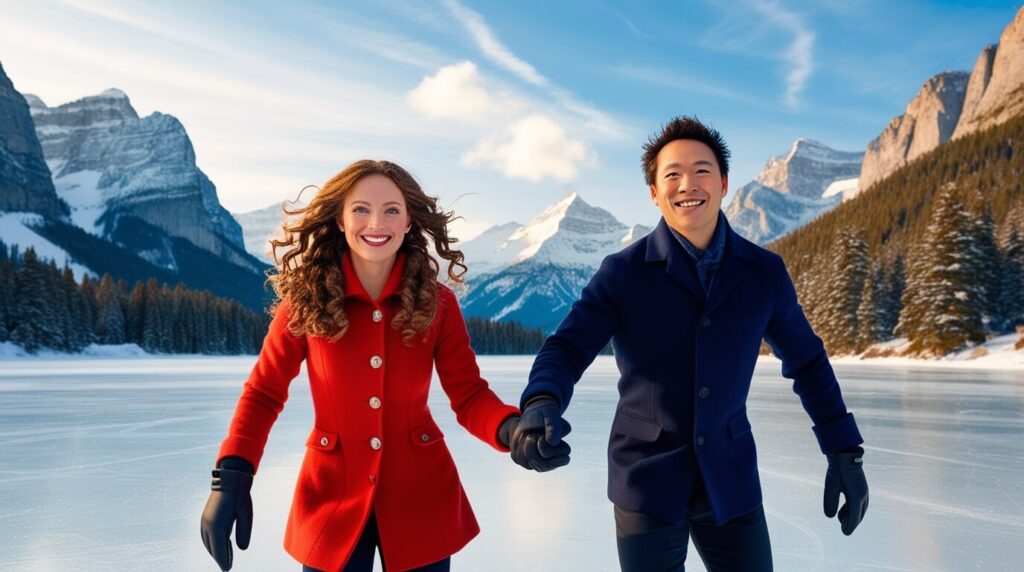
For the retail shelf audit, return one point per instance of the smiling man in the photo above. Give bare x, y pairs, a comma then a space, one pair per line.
686, 308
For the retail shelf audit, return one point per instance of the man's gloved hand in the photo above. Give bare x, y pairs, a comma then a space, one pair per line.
229, 501
537, 441
846, 475
508, 426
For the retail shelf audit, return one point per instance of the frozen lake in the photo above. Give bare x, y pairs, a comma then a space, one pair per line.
105, 464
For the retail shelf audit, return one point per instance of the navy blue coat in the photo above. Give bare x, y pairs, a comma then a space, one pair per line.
686, 364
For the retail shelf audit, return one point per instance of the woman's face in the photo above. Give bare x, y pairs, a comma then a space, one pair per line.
375, 219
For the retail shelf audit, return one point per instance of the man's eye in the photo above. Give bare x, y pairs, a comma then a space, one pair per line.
702, 171
670, 175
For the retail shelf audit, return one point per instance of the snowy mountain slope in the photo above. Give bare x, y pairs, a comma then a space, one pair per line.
259, 226
16, 229
793, 189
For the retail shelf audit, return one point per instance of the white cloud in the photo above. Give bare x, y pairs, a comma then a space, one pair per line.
532, 148
491, 47
454, 92
800, 54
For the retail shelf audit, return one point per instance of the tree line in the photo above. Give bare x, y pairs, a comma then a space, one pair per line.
42, 306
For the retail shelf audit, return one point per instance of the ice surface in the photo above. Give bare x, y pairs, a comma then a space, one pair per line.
104, 463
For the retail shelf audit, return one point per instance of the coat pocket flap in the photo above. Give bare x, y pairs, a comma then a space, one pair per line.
323, 440
739, 425
635, 427
427, 433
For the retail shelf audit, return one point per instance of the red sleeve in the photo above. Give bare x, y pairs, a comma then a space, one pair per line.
266, 390
476, 407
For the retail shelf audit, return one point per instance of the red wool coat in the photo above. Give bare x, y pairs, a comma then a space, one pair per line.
374, 444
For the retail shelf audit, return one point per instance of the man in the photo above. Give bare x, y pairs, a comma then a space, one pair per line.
686, 308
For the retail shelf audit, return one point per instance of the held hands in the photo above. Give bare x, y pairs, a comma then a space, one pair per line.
229, 501
537, 440
846, 475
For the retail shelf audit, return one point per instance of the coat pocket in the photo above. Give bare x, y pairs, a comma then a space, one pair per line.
635, 427
739, 425
426, 434
322, 440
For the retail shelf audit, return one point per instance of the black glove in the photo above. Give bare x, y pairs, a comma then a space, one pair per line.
508, 426
229, 501
537, 441
846, 475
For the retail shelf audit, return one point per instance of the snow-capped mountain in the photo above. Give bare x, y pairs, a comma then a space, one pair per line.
108, 163
532, 273
259, 226
25, 183
794, 189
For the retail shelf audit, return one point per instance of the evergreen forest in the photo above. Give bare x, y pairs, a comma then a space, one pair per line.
934, 253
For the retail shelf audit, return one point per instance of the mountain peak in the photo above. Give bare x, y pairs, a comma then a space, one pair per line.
34, 101
112, 93
808, 168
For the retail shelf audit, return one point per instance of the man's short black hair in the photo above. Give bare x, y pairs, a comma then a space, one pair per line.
684, 127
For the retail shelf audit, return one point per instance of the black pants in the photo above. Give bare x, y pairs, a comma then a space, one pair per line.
649, 544
362, 556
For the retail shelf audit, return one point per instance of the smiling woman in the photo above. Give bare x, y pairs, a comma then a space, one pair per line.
360, 303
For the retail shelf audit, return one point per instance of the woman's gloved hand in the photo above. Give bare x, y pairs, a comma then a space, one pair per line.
229, 502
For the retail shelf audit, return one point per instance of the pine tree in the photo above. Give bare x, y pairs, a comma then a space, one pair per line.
986, 265
135, 313
869, 322
34, 321
844, 284
151, 317
1011, 275
110, 320
945, 311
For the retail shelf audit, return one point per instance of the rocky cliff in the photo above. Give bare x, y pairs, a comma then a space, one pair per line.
929, 121
25, 183
996, 89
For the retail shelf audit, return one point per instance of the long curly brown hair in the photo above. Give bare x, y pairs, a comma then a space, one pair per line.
309, 274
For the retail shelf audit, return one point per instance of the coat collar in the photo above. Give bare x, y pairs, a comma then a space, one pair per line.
354, 288
663, 247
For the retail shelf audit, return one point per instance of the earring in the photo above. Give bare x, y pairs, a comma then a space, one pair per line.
340, 228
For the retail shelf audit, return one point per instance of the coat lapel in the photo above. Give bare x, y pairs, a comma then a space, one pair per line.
664, 247
731, 269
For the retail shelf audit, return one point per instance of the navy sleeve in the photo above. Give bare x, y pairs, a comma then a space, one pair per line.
805, 361
584, 332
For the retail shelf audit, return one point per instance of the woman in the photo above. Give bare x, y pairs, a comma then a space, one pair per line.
360, 303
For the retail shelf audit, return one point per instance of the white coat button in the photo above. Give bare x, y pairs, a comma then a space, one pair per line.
377, 316
375, 402
376, 362
424, 437
324, 441
375, 443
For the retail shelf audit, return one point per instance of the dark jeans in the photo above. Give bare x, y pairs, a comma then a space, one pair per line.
362, 556
649, 544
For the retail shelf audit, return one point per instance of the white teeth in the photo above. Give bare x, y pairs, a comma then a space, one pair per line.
689, 203
375, 240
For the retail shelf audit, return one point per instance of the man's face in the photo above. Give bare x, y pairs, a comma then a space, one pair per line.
688, 189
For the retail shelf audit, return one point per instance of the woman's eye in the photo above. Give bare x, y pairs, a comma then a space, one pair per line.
392, 211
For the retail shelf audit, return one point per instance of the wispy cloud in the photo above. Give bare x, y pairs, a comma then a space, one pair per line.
799, 56
495, 51
491, 47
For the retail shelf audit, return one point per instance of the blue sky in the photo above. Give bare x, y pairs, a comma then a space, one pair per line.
499, 108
